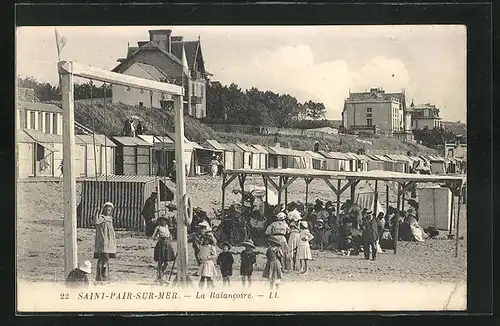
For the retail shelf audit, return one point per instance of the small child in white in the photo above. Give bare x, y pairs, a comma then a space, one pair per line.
304, 249
208, 255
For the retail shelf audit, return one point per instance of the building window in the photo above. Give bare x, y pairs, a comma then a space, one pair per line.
368, 115
202, 91
32, 120
368, 109
47, 123
24, 119
54, 124
369, 122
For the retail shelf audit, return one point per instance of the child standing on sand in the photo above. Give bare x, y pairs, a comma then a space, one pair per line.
208, 256
303, 249
225, 261
293, 241
273, 269
248, 259
105, 241
164, 251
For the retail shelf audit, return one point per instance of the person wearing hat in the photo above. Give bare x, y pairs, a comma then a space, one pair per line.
304, 249
225, 261
274, 269
164, 250
370, 235
214, 166
293, 241
321, 234
417, 232
353, 213
293, 213
279, 229
105, 241
248, 259
172, 172
208, 256
79, 276
204, 230
319, 212
148, 212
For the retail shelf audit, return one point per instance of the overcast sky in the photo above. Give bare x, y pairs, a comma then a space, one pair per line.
319, 63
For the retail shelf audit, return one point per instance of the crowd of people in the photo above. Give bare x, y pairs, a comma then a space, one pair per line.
294, 231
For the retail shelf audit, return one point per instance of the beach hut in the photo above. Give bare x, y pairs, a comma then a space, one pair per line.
389, 164
403, 163
227, 153
353, 166
302, 159
263, 156
435, 204
341, 161
25, 155
438, 164
318, 160
375, 163
281, 158
47, 153
128, 193
190, 154
361, 161
87, 147
332, 164
132, 156
239, 162
248, 159
162, 153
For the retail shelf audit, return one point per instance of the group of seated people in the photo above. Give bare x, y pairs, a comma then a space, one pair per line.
347, 234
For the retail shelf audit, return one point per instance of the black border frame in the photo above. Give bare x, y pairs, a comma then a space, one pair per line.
477, 16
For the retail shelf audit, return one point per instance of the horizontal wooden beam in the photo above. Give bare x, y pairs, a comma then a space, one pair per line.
81, 70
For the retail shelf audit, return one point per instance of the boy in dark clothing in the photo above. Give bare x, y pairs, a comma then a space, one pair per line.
225, 261
79, 276
370, 235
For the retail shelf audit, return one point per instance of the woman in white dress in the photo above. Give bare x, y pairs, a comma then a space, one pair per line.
303, 248
293, 242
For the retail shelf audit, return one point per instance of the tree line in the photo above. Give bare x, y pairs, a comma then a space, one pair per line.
231, 105
48, 92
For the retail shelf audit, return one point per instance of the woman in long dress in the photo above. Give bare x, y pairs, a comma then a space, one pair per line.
105, 241
279, 229
293, 242
304, 249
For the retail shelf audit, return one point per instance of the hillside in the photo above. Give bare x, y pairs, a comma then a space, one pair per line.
110, 120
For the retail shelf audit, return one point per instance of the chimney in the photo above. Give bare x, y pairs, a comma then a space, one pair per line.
162, 38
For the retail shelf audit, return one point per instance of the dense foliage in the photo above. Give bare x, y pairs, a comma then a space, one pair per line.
47, 92
231, 105
434, 138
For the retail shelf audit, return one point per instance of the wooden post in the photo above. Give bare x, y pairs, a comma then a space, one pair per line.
451, 212
308, 181
458, 222
386, 197
403, 196
375, 200
182, 254
285, 179
223, 191
396, 226
279, 190
267, 189
69, 179
353, 190
242, 178
338, 202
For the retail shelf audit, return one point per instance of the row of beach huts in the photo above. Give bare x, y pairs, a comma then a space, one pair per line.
40, 154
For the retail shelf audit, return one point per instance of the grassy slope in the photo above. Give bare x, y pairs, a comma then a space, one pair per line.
109, 120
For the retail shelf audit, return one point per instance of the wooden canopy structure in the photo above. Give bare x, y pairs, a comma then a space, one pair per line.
347, 180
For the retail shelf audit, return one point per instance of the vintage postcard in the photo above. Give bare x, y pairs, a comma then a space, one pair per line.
241, 168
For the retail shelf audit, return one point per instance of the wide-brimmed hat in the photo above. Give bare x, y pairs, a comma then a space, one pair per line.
280, 216
171, 206
274, 240
368, 212
329, 204
318, 202
411, 211
320, 221
86, 267
304, 224
248, 243
162, 217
